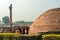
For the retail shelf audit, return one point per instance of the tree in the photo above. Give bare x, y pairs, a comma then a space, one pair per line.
5, 19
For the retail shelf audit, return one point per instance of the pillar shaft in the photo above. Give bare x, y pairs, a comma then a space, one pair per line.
10, 8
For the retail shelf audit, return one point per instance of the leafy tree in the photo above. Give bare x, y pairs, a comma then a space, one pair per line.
5, 19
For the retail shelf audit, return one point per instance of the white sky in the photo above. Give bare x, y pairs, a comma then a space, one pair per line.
27, 10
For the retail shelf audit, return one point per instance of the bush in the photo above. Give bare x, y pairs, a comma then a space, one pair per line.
14, 36
52, 38
8, 36
29, 38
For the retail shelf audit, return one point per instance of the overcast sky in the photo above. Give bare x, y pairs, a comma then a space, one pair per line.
27, 10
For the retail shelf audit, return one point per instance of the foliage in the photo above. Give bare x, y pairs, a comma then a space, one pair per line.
29, 38
8, 36
52, 38
5, 19
23, 22
16, 36
19, 22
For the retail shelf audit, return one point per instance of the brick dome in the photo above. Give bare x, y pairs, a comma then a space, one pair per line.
47, 22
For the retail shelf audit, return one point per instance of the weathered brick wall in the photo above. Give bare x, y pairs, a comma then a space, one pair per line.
48, 21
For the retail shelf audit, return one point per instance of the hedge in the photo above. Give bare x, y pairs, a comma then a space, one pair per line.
13, 36
51, 37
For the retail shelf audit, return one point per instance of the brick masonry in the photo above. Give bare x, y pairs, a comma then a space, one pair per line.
48, 21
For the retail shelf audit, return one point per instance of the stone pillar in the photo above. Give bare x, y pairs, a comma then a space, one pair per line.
10, 9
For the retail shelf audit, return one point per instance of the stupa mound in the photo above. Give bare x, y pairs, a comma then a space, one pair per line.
47, 22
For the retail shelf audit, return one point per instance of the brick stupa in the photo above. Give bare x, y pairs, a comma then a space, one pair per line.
47, 22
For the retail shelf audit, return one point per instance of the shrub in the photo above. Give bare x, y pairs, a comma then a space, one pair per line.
8, 36
13, 36
52, 38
